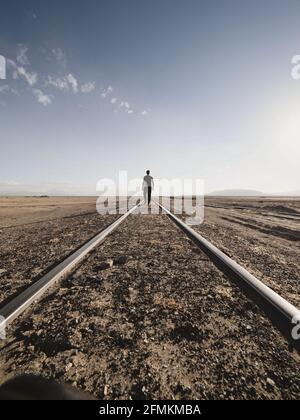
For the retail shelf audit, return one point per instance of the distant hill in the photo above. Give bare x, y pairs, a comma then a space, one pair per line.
237, 193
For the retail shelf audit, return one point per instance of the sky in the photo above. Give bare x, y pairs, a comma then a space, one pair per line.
189, 89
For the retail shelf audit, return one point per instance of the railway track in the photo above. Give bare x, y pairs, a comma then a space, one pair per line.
20, 303
279, 307
167, 316
278, 304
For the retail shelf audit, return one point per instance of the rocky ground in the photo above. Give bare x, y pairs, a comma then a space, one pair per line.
37, 233
147, 315
263, 235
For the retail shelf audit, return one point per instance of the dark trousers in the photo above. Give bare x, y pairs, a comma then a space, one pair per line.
149, 194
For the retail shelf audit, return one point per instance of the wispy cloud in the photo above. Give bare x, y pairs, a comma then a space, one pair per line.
42, 98
88, 87
125, 106
21, 69
121, 105
22, 55
31, 78
73, 82
64, 84
107, 92
60, 83
20, 72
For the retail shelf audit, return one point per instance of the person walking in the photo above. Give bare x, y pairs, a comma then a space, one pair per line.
148, 187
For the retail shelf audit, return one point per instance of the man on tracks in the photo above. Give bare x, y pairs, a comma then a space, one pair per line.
148, 187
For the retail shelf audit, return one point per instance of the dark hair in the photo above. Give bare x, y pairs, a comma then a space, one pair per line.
148, 172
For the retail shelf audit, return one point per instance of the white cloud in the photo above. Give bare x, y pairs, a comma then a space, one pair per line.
42, 97
88, 87
31, 78
22, 55
19, 71
107, 92
73, 82
59, 83
113, 101
64, 83
143, 113
125, 105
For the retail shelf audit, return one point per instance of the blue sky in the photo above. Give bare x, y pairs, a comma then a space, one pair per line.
189, 89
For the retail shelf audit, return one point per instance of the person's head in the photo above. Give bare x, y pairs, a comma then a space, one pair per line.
148, 172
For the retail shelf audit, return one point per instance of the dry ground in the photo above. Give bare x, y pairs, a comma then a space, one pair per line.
163, 321
38, 232
263, 235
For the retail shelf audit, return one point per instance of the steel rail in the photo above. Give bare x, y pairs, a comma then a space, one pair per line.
289, 311
20, 303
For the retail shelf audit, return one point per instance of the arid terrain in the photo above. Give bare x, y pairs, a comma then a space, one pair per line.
159, 320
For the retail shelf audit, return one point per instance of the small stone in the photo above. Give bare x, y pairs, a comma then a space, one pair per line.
62, 291
27, 333
270, 382
105, 391
105, 265
2, 271
122, 260
69, 366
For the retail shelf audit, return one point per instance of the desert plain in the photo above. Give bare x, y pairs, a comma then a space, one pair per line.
147, 315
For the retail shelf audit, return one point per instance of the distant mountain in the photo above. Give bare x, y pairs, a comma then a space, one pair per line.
237, 193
